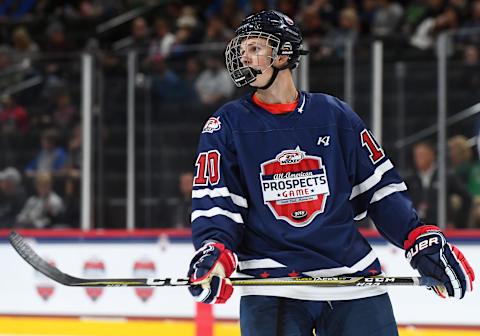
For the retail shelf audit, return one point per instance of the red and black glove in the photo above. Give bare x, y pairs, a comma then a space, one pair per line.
209, 271
429, 252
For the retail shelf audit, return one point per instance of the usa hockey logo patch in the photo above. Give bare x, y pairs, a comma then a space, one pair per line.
213, 124
295, 186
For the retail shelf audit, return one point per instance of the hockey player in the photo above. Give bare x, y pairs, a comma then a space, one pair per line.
281, 177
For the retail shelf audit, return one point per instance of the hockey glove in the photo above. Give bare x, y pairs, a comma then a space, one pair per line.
428, 251
209, 271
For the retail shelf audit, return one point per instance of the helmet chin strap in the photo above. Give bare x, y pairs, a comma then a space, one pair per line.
273, 77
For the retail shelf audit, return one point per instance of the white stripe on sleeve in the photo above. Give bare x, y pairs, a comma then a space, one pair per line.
371, 181
388, 190
236, 217
221, 192
381, 194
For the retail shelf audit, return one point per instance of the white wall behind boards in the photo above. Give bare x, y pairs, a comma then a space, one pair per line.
24, 291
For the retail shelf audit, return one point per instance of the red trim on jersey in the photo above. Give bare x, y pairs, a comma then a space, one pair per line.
275, 108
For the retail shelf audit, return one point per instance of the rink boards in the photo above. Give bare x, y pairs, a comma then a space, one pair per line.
24, 292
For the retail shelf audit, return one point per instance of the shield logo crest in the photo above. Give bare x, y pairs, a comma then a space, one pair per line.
144, 269
295, 186
94, 269
45, 287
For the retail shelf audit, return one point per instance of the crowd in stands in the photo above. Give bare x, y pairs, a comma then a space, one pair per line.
179, 46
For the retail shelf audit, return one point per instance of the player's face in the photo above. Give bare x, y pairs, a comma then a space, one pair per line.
257, 53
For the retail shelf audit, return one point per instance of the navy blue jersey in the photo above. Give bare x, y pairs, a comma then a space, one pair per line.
284, 191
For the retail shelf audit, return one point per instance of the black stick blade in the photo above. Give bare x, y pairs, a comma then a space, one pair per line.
31, 257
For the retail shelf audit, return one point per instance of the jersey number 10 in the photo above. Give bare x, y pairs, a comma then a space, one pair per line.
208, 168
376, 153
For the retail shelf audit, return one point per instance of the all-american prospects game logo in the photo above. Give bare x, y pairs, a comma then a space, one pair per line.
45, 286
295, 186
144, 268
94, 268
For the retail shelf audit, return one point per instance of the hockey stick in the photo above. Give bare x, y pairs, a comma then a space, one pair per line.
31, 257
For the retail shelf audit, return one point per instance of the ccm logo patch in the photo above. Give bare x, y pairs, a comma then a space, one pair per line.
422, 246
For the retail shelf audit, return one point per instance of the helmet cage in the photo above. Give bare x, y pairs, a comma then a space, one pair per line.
241, 73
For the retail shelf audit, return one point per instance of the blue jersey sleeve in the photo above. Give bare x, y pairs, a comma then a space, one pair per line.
378, 191
219, 205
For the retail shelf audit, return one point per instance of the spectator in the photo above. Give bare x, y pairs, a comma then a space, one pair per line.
190, 75
423, 188
57, 41
59, 63
465, 168
214, 84
42, 210
166, 85
12, 196
9, 75
65, 113
188, 29
23, 44
13, 117
349, 29
468, 33
314, 27
73, 163
161, 43
140, 35
367, 16
216, 31
71, 216
387, 18
72, 175
181, 206
470, 74
51, 157
424, 37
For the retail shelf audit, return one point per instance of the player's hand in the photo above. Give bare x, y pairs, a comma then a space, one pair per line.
429, 252
209, 271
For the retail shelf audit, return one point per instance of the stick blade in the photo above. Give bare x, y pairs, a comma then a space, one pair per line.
31, 257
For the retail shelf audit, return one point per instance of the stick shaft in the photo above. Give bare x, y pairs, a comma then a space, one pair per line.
30, 256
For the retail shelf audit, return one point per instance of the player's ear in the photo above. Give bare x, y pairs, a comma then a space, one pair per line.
281, 61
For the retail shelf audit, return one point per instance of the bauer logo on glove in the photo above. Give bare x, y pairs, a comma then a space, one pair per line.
429, 252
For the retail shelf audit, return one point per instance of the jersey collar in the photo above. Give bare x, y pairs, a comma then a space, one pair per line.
278, 108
